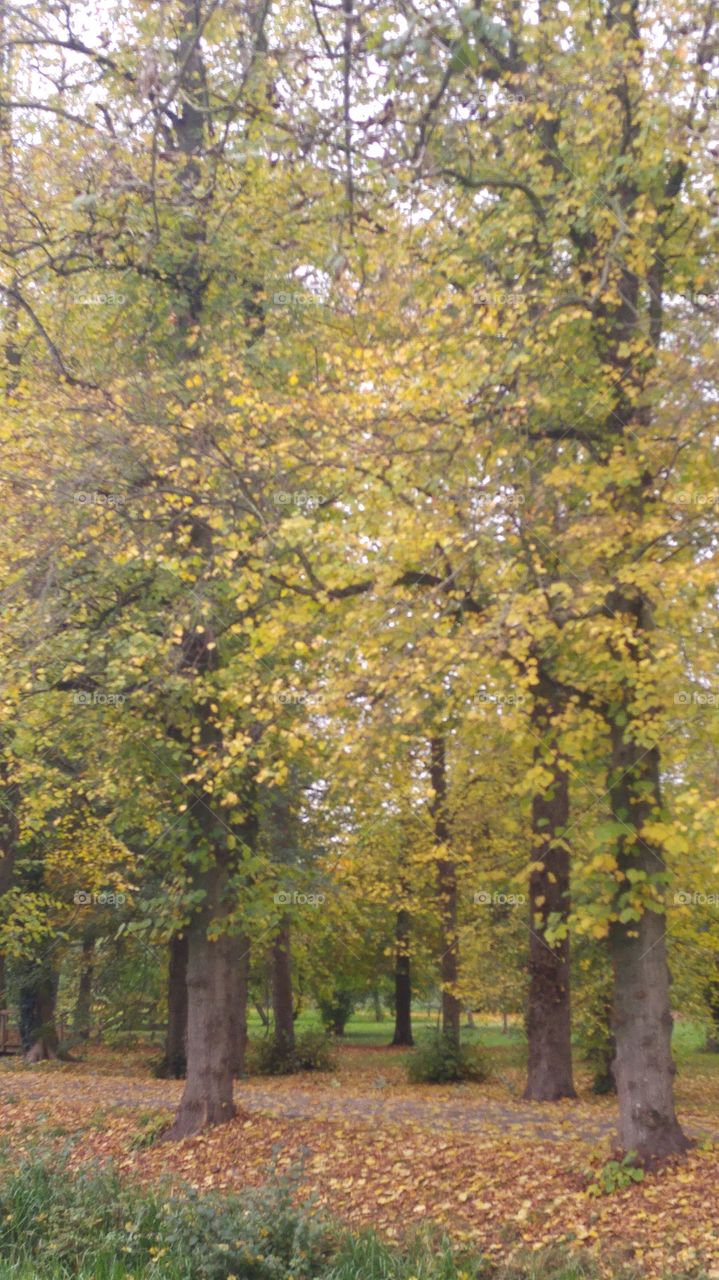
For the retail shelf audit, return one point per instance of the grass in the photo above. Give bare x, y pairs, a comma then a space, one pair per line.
364, 1029
56, 1224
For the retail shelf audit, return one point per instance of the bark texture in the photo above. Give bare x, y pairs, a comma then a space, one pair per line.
38, 1033
402, 981
83, 1007
549, 1066
643, 1067
241, 963
207, 1098
282, 1004
9, 800
446, 894
175, 1057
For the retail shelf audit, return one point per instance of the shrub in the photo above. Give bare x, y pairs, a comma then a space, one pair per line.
268, 1058
57, 1221
616, 1175
439, 1061
336, 1009
313, 1051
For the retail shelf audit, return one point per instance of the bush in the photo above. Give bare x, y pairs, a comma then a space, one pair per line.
59, 1222
335, 1011
313, 1051
440, 1061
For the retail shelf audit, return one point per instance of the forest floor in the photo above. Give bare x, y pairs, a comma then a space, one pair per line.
492, 1170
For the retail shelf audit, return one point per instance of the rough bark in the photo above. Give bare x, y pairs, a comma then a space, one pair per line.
9, 800
83, 1007
38, 1033
604, 1081
712, 1041
174, 1061
241, 962
231, 947
402, 981
282, 1003
549, 1066
446, 894
282, 841
643, 1067
207, 1098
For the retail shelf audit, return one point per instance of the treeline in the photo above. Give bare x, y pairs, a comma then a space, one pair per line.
358, 387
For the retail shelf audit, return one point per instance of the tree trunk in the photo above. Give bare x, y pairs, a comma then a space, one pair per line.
603, 1081
38, 1033
549, 1067
83, 1007
446, 892
336, 1010
9, 801
712, 1040
241, 963
237, 958
282, 1004
207, 1098
643, 1067
340, 1018
402, 982
263, 1015
174, 1063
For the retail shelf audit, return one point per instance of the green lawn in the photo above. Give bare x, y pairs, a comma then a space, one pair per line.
363, 1028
